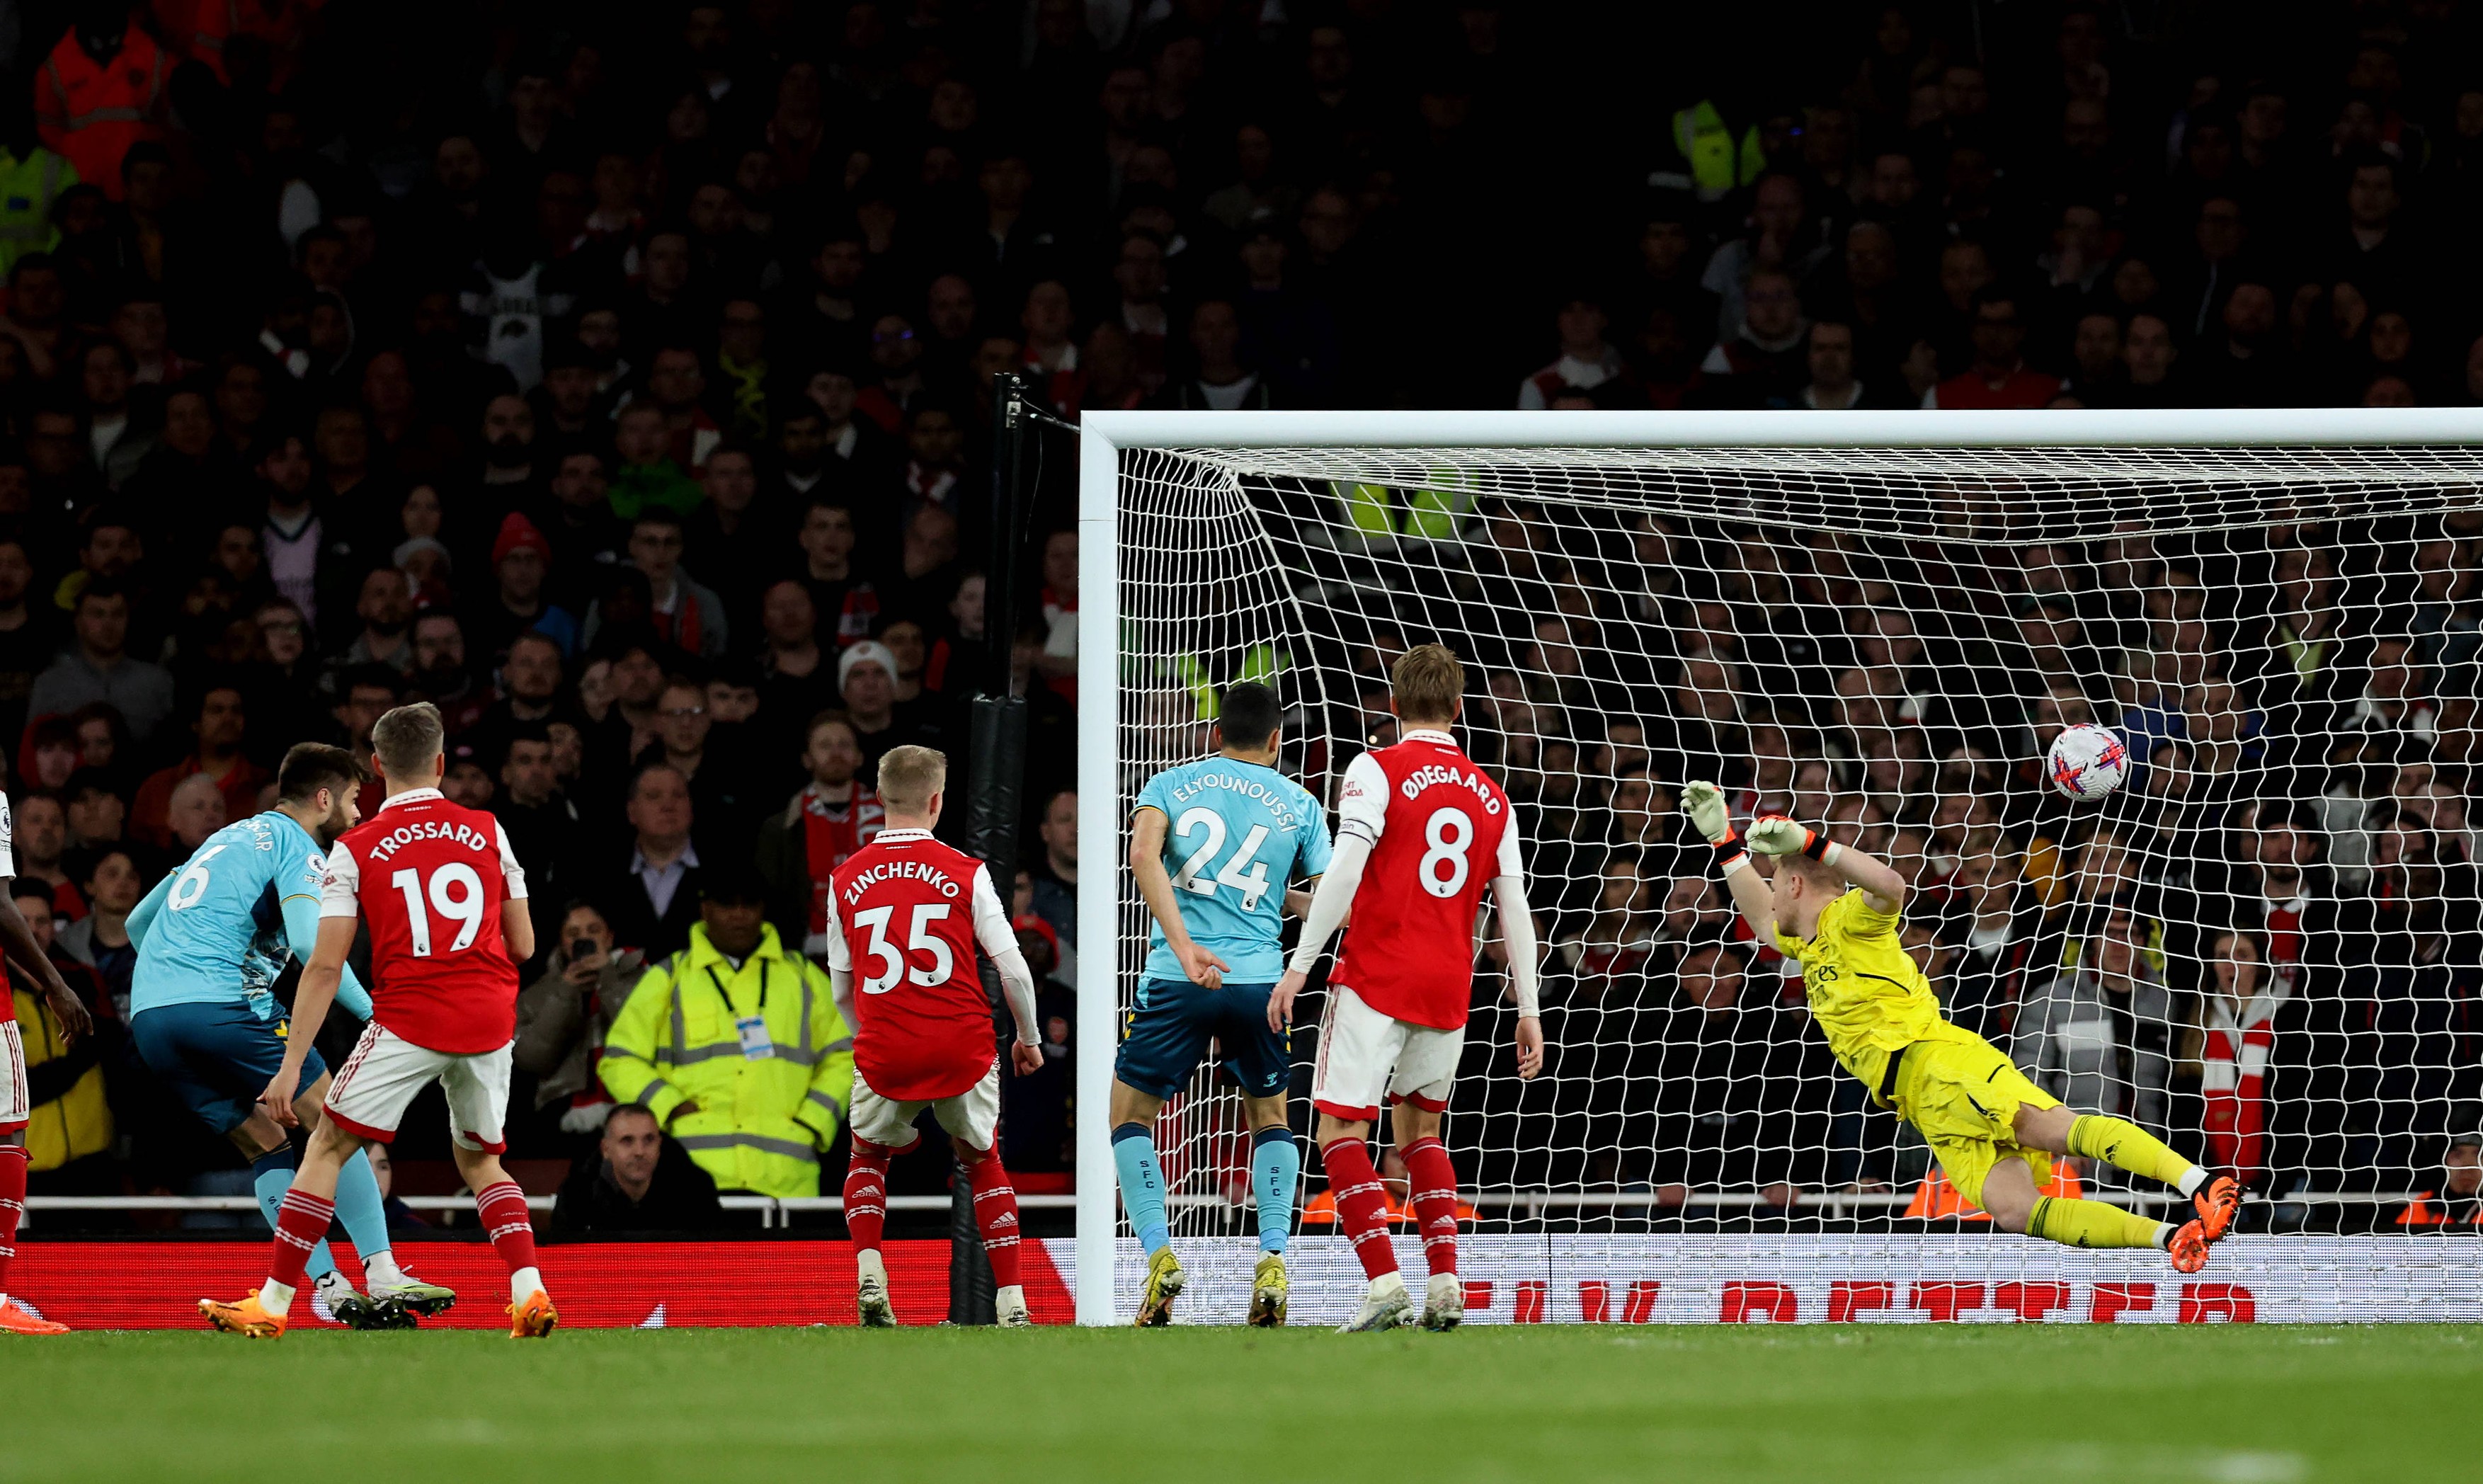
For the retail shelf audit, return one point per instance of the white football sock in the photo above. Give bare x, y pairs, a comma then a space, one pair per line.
380, 1269
277, 1298
2196, 1176
523, 1281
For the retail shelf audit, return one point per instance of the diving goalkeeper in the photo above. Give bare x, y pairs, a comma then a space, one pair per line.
1835, 909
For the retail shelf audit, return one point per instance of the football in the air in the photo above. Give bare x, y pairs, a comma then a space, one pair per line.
2087, 763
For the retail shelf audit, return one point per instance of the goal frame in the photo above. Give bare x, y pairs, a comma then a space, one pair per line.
1104, 436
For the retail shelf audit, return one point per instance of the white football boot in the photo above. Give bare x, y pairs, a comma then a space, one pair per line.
871, 1292
1385, 1306
1444, 1303
1009, 1304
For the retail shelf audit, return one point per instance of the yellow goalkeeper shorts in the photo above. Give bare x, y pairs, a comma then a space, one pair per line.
1963, 1097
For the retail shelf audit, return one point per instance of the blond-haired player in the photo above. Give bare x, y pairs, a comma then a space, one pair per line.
1835, 909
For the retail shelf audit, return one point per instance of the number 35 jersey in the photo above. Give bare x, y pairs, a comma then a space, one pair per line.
1440, 830
430, 877
1236, 834
905, 913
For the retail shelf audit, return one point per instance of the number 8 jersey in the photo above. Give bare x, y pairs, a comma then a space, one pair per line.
905, 913
1440, 830
430, 875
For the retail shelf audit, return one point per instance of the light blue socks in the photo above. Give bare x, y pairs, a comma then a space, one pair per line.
271, 1174
1143, 1192
1275, 1173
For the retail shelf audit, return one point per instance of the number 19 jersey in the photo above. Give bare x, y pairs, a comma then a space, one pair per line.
430, 877
1440, 830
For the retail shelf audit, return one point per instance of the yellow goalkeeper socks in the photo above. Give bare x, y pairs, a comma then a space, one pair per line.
2074, 1222
2118, 1142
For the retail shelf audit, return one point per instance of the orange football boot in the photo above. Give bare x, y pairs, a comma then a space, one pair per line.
2218, 1203
14, 1320
2189, 1247
243, 1316
534, 1318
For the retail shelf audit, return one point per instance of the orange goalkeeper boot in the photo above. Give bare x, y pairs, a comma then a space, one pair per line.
244, 1317
2219, 1202
534, 1318
14, 1320
2188, 1248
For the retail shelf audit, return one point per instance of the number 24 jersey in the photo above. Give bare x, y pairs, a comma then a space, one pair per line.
1440, 830
430, 877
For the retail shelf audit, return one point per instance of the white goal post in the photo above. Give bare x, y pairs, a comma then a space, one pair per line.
1976, 481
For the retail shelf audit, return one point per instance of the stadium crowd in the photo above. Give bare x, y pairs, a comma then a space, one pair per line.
619, 378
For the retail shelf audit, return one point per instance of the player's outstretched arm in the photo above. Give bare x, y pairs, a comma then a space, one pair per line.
1879, 882
1154, 883
1329, 905
311, 999
1525, 951
1704, 804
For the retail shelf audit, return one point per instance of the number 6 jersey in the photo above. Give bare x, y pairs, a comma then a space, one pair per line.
430, 875
905, 913
1440, 830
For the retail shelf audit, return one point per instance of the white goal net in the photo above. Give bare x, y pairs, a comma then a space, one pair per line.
2266, 948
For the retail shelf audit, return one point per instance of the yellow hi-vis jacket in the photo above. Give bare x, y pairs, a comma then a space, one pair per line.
28, 187
760, 1048
70, 1123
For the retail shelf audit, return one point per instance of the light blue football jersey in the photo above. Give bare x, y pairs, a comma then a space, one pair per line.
220, 936
1237, 835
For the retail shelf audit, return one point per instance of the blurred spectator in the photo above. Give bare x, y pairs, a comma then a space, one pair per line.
563, 1016
639, 1180
2097, 1036
652, 903
835, 815
219, 728
98, 667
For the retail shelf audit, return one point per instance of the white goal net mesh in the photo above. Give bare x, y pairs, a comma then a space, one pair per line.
2266, 948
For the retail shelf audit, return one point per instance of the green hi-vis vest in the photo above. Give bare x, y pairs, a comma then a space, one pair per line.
28, 187
1431, 512
1716, 166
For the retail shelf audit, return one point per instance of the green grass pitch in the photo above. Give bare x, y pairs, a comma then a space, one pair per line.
1918, 1404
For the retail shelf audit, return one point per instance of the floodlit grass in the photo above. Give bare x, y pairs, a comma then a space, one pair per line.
1917, 1403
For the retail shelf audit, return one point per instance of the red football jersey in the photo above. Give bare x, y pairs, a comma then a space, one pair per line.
1440, 831
430, 877
906, 919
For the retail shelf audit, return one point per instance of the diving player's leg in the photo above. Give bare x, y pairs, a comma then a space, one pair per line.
2123, 1144
1167, 1036
1419, 1094
1358, 1050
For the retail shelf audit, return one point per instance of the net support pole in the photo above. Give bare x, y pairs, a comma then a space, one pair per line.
994, 798
1099, 834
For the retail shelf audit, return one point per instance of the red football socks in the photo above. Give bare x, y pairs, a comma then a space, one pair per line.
506, 1222
1361, 1204
302, 1221
867, 1193
12, 1205
996, 1214
1435, 1194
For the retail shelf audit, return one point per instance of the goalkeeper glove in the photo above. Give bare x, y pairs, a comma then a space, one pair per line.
1704, 804
1777, 836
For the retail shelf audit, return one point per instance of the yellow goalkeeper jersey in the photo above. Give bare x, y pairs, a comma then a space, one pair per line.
1868, 996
